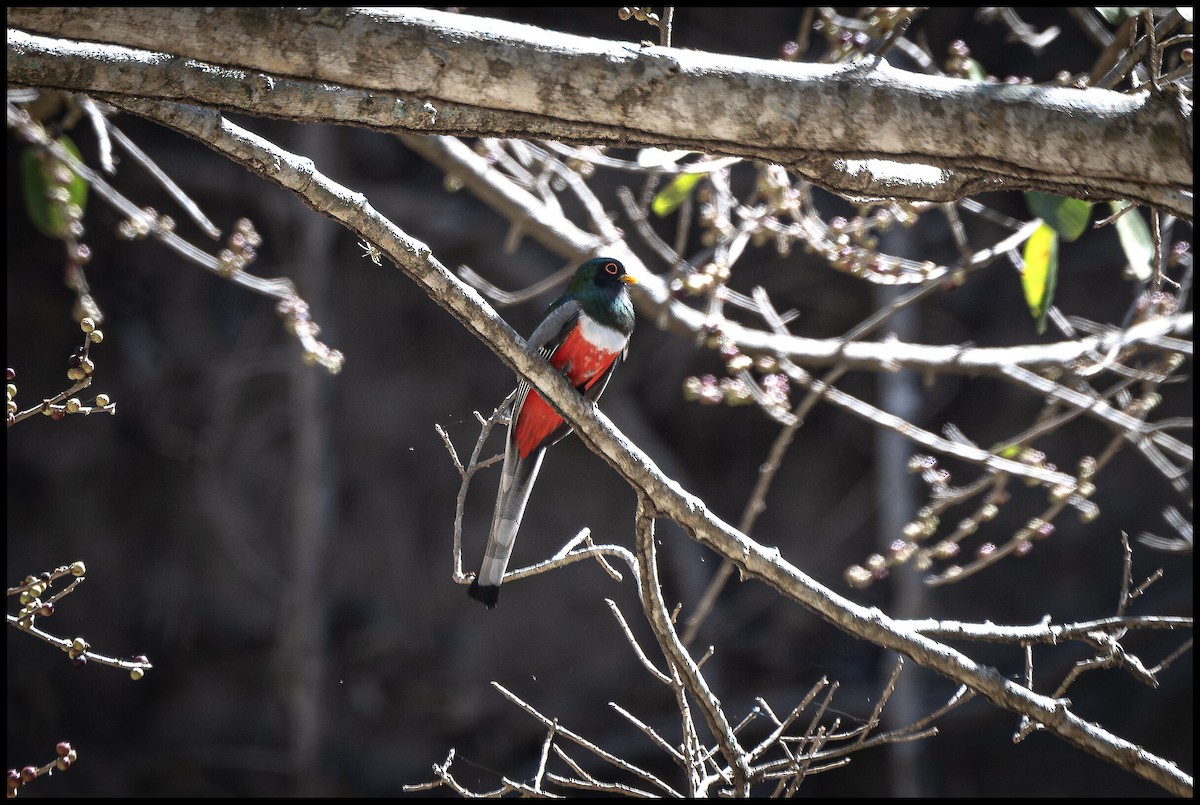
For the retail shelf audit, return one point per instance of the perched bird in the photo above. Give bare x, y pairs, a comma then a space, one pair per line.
584, 334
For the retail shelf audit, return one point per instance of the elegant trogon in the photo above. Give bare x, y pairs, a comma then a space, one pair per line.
584, 334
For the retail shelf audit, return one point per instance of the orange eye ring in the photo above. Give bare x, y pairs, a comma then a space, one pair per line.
611, 268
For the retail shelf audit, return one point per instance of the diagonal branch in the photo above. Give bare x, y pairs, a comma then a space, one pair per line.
668, 498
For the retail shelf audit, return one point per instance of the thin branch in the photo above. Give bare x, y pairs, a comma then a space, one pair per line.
637, 649
574, 737
1045, 632
660, 621
922, 437
563, 237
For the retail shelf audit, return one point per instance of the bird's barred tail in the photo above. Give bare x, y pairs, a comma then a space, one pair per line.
516, 482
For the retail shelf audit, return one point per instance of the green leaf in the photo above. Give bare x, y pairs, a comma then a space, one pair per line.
1041, 273
1136, 241
1068, 216
670, 197
41, 180
975, 70
1012, 451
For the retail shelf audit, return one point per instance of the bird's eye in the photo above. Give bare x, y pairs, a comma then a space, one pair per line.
611, 268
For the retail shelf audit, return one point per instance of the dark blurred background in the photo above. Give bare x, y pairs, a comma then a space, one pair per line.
278, 541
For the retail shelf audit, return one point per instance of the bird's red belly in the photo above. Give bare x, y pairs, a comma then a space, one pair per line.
582, 364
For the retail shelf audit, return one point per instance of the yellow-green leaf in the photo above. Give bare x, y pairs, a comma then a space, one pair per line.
975, 70
42, 179
670, 197
1136, 241
1041, 273
1068, 216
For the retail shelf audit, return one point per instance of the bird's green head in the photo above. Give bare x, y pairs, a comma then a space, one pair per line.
600, 272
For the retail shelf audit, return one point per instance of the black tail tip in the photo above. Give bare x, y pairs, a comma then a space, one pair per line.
487, 593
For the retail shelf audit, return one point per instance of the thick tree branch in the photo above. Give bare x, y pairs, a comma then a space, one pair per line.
668, 498
863, 129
